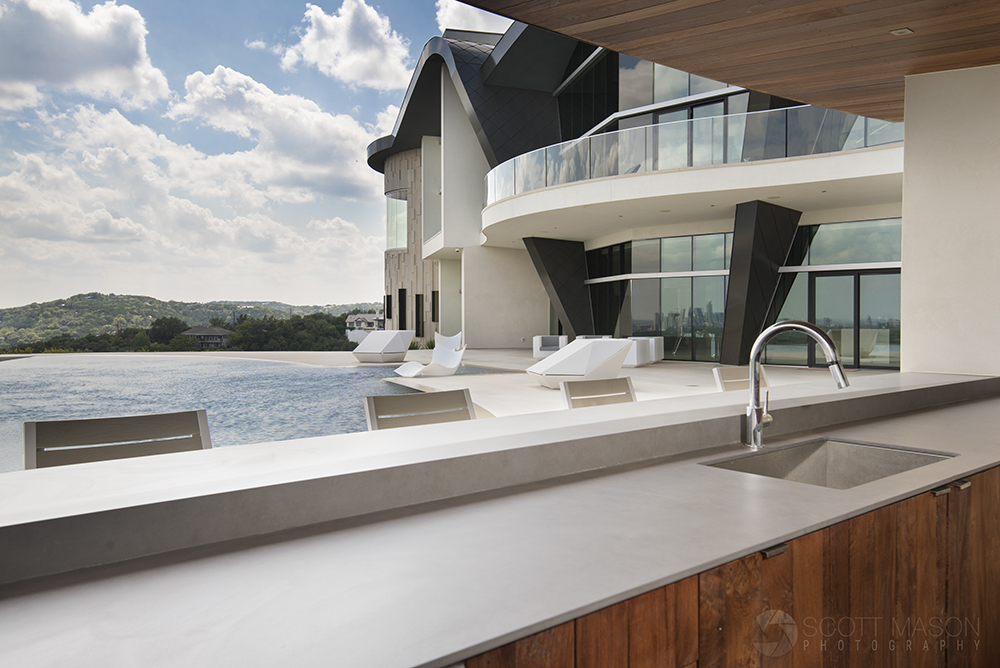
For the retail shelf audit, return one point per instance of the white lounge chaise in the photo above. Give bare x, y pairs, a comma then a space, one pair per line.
583, 393
450, 342
583, 359
444, 362
388, 345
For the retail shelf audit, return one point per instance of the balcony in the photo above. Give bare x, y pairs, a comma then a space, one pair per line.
698, 142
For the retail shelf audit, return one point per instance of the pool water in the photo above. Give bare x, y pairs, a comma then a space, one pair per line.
248, 401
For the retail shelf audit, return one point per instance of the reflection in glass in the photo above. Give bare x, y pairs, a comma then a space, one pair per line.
709, 252
791, 347
530, 171
707, 315
668, 83
645, 256
736, 125
604, 155
646, 307
672, 140
567, 162
704, 85
729, 249
632, 155
395, 219
835, 313
675, 313
503, 185
635, 82
883, 132
708, 135
862, 241
675, 254
878, 343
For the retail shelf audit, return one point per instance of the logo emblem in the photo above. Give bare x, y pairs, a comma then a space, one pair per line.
789, 632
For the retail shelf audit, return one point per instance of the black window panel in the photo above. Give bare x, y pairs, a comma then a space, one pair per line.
418, 315
593, 264
402, 308
434, 305
388, 306
592, 97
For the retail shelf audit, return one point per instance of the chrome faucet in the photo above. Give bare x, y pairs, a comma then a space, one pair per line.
757, 417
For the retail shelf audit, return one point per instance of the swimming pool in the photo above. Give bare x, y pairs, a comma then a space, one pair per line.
248, 401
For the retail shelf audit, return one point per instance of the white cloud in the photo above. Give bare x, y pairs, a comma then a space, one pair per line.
356, 45
52, 43
454, 14
300, 148
256, 45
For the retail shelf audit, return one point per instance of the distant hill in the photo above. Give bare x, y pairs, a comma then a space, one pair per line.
97, 313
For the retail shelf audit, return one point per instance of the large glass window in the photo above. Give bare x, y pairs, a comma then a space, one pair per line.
862, 241
878, 334
395, 219
675, 254
672, 140
646, 256
708, 136
668, 83
646, 307
635, 82
707, 315
709, 252
675, 309
791, 347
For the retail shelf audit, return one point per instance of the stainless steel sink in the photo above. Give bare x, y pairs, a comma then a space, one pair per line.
834, 464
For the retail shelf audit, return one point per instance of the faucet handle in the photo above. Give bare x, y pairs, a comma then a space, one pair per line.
766, 419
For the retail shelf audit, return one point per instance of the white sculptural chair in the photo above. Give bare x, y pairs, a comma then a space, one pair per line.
583, 359
444, 362
729, 378
388, 345
545, 345
583, 393
449, 342
409, 410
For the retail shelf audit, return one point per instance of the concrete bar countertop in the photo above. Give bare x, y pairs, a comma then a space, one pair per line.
433, 582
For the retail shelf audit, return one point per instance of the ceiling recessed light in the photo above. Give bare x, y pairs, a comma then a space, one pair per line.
774, 198
899, 32
664, 210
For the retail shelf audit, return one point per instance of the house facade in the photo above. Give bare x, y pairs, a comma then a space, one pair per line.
595, 192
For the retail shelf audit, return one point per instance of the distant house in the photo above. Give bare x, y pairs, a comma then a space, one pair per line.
366, 321
209, 337
359, 324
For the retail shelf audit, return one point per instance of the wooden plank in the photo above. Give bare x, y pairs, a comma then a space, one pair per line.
712, 618
989, 503
648, 625
62, 433
919, 592
552, 648
501, 657
836, 595
777, 577
685, 616
872, 586
729, 606
602, 638
808, 569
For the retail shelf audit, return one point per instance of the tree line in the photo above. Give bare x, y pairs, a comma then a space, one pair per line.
317, 331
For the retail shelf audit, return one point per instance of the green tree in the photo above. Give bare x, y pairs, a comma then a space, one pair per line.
163, 330
181, 343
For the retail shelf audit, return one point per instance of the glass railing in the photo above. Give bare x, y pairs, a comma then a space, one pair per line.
718, 140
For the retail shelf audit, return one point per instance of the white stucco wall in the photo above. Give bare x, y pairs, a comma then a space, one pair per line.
950, 311
430, 183
504, 301
450, 296
463, 173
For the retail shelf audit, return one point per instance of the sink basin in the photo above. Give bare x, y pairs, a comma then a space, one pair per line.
834, 464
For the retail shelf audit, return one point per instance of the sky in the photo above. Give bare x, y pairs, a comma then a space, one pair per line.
200, 150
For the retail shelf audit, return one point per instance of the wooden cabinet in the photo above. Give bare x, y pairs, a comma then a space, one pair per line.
913, 584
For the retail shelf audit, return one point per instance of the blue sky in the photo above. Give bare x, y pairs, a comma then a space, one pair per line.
201, 150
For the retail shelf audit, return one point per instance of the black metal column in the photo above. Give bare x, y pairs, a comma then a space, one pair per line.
562, 266
762, 237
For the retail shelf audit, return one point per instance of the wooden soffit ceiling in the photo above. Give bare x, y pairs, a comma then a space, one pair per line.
839, 54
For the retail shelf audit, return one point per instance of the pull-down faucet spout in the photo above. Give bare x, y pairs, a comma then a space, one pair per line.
757, 417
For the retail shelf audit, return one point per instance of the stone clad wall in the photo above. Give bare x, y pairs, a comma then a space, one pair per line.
404, 268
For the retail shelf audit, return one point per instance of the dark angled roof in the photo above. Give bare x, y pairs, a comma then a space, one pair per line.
508, 120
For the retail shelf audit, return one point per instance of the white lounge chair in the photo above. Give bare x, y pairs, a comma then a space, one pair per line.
444, 362
450, 342
407, 410
543, 346
583, 359
638, 353
583, 393
388, 345
61, 442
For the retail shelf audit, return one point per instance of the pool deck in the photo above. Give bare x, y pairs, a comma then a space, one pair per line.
515, 393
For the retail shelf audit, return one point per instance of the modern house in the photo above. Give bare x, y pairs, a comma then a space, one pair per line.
606, 536
209, 337
597, 193
365, 321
